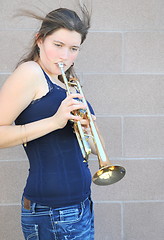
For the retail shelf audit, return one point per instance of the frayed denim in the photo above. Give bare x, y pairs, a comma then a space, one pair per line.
74, 222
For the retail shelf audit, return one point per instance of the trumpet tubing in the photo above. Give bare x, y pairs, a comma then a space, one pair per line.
107, 174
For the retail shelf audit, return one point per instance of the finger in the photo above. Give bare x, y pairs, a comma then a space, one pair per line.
75, 117
87, 130
94, 117
72, 102
74, 95
75, 107
84, 122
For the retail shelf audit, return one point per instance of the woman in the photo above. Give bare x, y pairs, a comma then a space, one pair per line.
56, 201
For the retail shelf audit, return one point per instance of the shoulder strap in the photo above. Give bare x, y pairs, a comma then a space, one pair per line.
50, 84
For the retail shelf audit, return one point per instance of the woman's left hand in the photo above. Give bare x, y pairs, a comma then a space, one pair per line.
85, 124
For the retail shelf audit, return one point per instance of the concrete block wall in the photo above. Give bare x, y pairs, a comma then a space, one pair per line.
121, 67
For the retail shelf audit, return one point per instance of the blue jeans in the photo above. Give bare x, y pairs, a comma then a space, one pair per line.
74, 222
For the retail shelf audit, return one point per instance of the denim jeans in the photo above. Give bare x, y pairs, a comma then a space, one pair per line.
74, 222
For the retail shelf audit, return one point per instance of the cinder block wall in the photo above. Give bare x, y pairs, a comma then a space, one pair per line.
121, 66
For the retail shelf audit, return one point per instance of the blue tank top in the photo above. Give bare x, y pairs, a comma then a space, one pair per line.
58, 176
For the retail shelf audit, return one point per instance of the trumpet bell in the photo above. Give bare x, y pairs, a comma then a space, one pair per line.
108, 175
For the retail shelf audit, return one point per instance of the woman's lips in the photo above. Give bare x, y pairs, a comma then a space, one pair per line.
64, 65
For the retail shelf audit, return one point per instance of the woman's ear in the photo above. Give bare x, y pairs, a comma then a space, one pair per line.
38, 39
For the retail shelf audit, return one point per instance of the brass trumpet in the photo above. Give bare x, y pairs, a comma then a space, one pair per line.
107, 174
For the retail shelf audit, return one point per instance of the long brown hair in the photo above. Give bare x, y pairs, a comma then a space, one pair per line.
54, 20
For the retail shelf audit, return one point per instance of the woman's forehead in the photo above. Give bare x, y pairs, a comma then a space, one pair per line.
72, 38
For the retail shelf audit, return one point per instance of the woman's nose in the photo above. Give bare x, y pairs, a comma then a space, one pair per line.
64, 54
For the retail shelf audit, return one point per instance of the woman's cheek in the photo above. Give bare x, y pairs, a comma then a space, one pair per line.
74, 57
51, 54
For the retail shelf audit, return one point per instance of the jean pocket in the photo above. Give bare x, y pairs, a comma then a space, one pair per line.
30, 231
71, 215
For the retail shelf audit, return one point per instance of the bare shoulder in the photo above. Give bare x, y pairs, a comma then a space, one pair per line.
25, 77
28, 70
18, 91
30, 65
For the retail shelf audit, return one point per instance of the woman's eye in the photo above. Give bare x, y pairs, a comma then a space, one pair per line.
75, 49
58, 45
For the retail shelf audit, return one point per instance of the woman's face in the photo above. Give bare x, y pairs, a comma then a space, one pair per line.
61, 46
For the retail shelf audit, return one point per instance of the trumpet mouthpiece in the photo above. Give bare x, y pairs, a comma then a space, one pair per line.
61, 65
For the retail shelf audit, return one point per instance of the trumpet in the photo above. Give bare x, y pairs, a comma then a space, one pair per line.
107, 173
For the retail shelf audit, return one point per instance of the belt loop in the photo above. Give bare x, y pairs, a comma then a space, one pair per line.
33, 206
83, 203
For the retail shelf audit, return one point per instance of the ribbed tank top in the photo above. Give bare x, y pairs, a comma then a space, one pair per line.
57, 174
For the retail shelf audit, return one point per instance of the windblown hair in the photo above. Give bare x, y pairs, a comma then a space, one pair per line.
56, 19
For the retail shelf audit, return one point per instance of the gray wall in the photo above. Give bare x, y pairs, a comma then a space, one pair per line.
122, 69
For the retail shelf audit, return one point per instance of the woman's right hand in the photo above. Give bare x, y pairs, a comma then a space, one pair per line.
64, 113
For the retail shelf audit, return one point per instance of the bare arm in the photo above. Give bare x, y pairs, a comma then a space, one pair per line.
15, 95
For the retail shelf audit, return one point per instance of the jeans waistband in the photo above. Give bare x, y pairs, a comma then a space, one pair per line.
28, 205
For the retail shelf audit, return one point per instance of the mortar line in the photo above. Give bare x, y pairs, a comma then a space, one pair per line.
101, 115
123, 53
90, 31
109, 73
105, 202
123, 73
122, 221
128, 201
94, 159
122, 135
